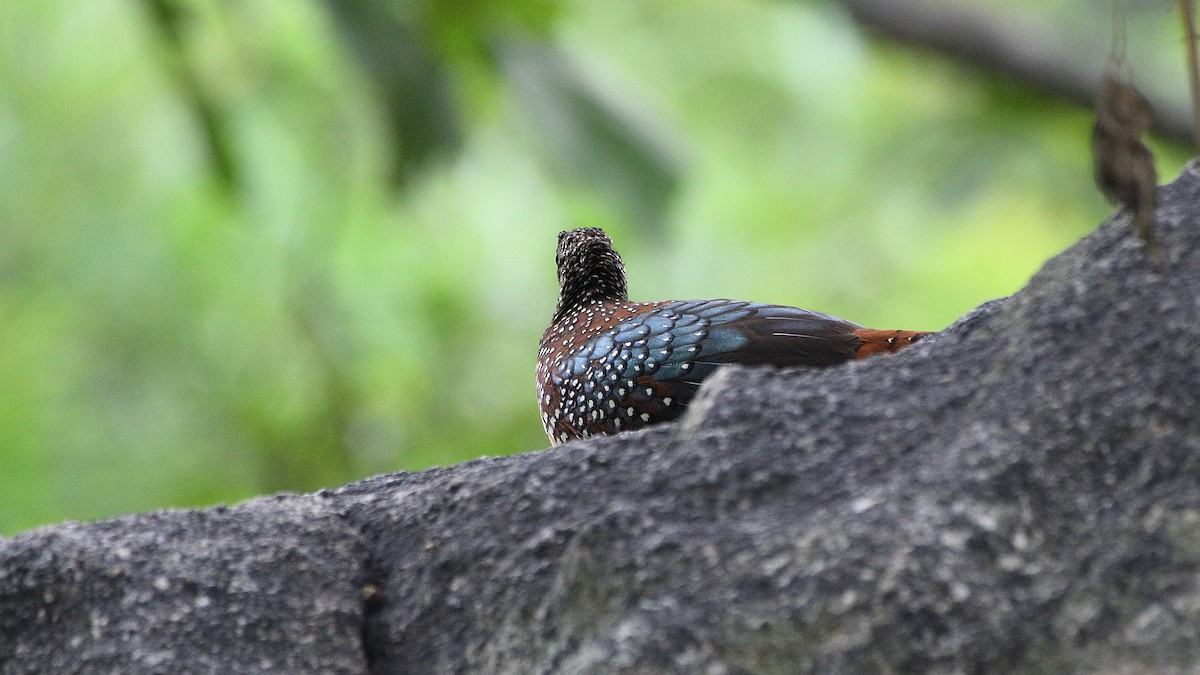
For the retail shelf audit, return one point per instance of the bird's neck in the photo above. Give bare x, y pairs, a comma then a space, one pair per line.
600, 283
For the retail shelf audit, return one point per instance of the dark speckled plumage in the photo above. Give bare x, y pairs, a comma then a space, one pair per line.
607, 365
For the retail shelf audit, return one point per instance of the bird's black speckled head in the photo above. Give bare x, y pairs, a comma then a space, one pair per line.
589, 270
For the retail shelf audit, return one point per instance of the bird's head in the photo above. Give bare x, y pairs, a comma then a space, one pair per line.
589, 269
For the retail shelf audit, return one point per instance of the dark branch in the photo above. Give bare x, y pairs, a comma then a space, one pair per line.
213, 124
1024, 50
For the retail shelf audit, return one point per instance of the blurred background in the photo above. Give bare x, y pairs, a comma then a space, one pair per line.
248, 247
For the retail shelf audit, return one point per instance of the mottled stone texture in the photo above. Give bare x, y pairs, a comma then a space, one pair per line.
271, 586
1020, 493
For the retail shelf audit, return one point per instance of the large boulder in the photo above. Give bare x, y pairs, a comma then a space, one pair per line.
1020, 493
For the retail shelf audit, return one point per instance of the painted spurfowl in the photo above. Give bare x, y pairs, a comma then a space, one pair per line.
607, 365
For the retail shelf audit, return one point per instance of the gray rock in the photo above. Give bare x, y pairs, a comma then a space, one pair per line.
1020, 493
271, 586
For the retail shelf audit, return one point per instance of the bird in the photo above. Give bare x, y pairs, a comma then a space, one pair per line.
607, 365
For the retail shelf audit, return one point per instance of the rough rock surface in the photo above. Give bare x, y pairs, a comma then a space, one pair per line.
1020, 493
271, 586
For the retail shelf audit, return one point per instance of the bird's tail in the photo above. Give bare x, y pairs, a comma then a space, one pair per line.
884, 341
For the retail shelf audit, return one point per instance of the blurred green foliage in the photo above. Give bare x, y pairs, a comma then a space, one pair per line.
277, 245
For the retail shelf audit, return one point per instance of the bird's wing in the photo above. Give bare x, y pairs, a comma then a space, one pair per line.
648, 366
